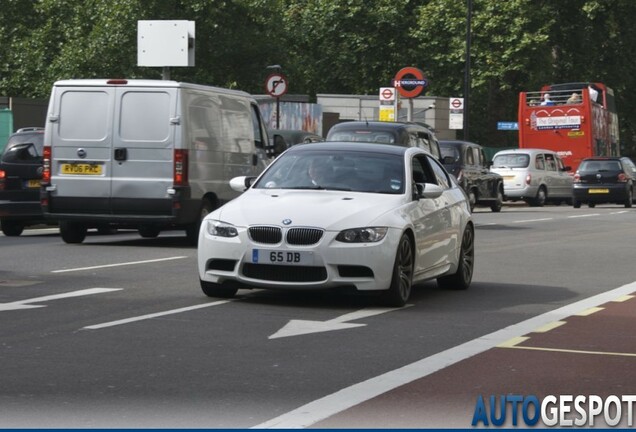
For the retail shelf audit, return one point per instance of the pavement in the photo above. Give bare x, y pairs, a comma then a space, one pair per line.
590, 352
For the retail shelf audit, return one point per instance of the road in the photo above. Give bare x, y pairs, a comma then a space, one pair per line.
116, 333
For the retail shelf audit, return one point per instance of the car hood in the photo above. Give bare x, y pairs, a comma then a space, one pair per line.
331, 210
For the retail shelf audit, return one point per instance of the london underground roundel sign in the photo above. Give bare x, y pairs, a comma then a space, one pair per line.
409, 82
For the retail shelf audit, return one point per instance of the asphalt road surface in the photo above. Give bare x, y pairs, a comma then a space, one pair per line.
116, 332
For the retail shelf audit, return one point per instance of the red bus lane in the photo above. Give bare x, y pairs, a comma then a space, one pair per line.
591, 353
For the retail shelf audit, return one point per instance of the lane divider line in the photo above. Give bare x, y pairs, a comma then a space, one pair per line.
118, 264
154, 315
623, 298
609, 353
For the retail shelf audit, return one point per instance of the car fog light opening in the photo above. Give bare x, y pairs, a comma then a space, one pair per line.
362, 235
221, 229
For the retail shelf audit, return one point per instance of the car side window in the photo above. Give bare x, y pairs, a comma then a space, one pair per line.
550, 163
441, 175
560, 164
539, 162
482, 156
470, 159
421, 171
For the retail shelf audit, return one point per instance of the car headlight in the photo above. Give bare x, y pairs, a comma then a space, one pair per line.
362, 235
221, 229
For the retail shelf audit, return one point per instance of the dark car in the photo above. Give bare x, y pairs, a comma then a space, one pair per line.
404, 134
602, 180
467, 162
20, 174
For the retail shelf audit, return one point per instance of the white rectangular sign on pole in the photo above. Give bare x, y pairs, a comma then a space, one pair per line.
456, 114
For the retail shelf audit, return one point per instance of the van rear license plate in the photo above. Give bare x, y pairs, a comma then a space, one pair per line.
33, 183
598, 191
82, 169
266, 256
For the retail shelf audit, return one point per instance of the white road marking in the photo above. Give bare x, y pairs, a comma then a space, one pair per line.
532, 220
584, 215
118, 264
302, 327
25, 304
313, 412
154, 315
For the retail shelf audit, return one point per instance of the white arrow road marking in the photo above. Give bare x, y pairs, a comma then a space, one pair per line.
24, 304
301, 327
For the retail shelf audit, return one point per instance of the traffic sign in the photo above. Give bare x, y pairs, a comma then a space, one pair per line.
409, 82
387, 94
276, 84
456, 103
507, 125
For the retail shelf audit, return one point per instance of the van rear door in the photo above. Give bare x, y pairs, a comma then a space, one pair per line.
143, 150
113, 149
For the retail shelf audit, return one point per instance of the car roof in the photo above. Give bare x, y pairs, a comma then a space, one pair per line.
525, 151
337, 146
457, 143
603, 158
375, 125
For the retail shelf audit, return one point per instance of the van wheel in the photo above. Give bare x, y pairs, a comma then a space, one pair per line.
12, 228
72, 232
212, 289
148, 231
192, 230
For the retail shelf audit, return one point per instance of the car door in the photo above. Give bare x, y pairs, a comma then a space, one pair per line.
431, 219
485, 179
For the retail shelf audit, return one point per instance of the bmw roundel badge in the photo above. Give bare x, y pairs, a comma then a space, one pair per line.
286, 221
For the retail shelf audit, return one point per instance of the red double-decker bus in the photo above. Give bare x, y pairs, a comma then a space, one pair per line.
577, 120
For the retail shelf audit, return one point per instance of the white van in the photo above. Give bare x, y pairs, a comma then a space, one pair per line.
145, 154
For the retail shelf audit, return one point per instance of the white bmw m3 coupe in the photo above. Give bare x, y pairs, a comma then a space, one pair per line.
366, 217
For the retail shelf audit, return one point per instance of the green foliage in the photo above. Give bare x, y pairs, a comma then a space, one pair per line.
338, 46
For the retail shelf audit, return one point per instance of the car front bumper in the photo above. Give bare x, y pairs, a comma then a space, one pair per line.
328, 264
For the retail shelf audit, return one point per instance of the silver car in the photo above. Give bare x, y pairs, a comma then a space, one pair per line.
536, 176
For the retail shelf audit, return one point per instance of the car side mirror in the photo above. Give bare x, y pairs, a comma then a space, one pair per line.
427, 190
242, 183
567, 168
279, 145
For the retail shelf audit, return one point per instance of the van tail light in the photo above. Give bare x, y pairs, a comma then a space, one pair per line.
577, 178
46, 165
528, 179
180, 173
3, 176
622, 178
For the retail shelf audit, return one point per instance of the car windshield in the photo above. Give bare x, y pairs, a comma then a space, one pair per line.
511, 160
350, 171
364, 136
600, 165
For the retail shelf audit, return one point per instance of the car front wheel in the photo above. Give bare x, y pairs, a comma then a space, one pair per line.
460, 280
212, 289
398, 293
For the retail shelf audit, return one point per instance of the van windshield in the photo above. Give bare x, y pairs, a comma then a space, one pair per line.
511, 160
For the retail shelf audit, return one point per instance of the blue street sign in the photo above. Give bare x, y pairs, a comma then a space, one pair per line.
507, 126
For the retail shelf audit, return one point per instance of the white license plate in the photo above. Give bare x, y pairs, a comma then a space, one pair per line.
285, 257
